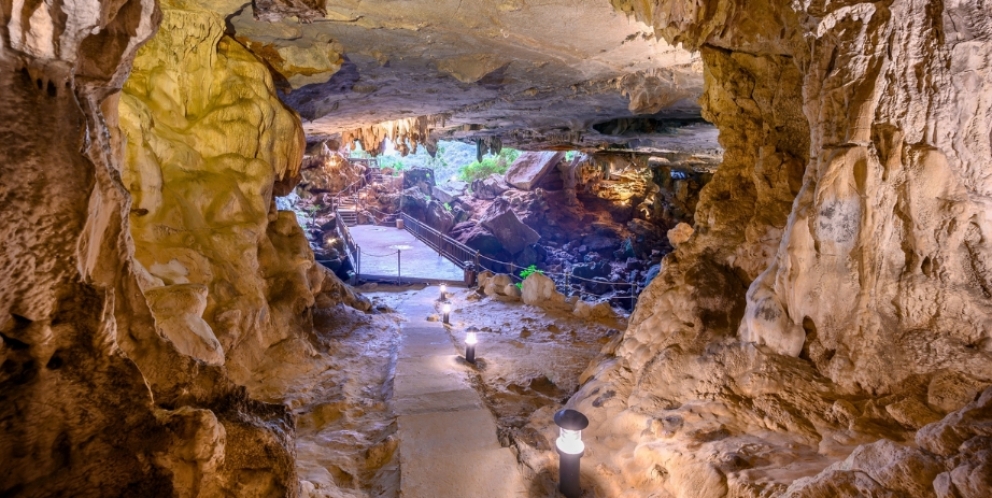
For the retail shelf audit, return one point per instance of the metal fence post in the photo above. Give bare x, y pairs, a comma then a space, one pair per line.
399, 273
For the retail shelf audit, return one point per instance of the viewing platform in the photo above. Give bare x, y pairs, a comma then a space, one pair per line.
394, 254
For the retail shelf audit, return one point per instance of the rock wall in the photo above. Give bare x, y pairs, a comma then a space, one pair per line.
834, 292
137, 284
207, 139
75, 414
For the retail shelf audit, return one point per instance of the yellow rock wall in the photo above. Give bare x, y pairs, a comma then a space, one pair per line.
206, 138
95, 399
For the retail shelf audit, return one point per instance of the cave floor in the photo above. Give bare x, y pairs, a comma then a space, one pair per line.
447, 437
417, 261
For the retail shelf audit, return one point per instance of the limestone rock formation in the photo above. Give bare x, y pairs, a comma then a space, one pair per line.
202, 182
680, 234
836, 275
525, 73
122, 322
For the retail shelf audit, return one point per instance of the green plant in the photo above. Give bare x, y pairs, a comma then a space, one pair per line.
497, 164
447, 207
393, 163
526, 272
509, 154
570, 154
438, 162
479, 170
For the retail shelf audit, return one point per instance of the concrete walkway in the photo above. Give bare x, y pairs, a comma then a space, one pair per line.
417, 261
448, 446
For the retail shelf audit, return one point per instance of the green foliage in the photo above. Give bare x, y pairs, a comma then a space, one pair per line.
509, 155
570, 154
526, 272
490, 165
438, 162
393, 163
447, 207
478, 171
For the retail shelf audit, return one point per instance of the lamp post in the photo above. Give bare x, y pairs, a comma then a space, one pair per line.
446, 310
570, 450
444, 292
470, 341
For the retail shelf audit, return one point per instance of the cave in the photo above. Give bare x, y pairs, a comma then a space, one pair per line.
744, 240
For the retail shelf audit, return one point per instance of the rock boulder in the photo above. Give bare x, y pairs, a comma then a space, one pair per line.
489, 188
529, 169
539, 290
418, 176
508, 229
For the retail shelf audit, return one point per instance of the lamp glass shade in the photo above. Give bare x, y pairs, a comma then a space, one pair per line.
446, 308
471, 338
444, 288
570, 442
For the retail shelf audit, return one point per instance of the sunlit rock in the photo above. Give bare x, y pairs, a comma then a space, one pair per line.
528, 170
202, 181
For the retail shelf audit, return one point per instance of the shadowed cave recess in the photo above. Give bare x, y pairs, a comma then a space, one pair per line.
758, 230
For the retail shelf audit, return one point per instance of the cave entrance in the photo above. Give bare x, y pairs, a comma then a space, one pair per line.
595, 222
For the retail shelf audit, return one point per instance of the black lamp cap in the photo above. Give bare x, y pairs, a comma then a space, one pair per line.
571, 420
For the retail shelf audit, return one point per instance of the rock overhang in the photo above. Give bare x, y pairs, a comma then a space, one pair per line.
545, 76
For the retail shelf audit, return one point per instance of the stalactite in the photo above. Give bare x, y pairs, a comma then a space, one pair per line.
404, 134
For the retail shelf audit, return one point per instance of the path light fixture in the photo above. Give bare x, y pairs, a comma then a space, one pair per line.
470, 341
444, 292
446, 310
570, 450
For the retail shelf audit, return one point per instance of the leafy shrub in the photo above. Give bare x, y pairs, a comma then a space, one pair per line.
497, 164
526, 272
478, 171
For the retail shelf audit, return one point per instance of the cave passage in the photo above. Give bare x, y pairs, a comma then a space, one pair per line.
742, 244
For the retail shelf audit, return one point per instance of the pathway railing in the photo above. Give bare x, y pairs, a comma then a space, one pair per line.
460, 254
465, 257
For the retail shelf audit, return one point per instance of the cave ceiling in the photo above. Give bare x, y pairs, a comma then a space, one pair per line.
549, 74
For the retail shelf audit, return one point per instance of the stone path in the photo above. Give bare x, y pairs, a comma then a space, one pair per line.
418, 262
448, 446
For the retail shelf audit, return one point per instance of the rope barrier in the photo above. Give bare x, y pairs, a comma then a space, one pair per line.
569, 278
377, 255
634, 285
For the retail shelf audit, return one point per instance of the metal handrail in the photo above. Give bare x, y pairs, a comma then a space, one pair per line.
458, 253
